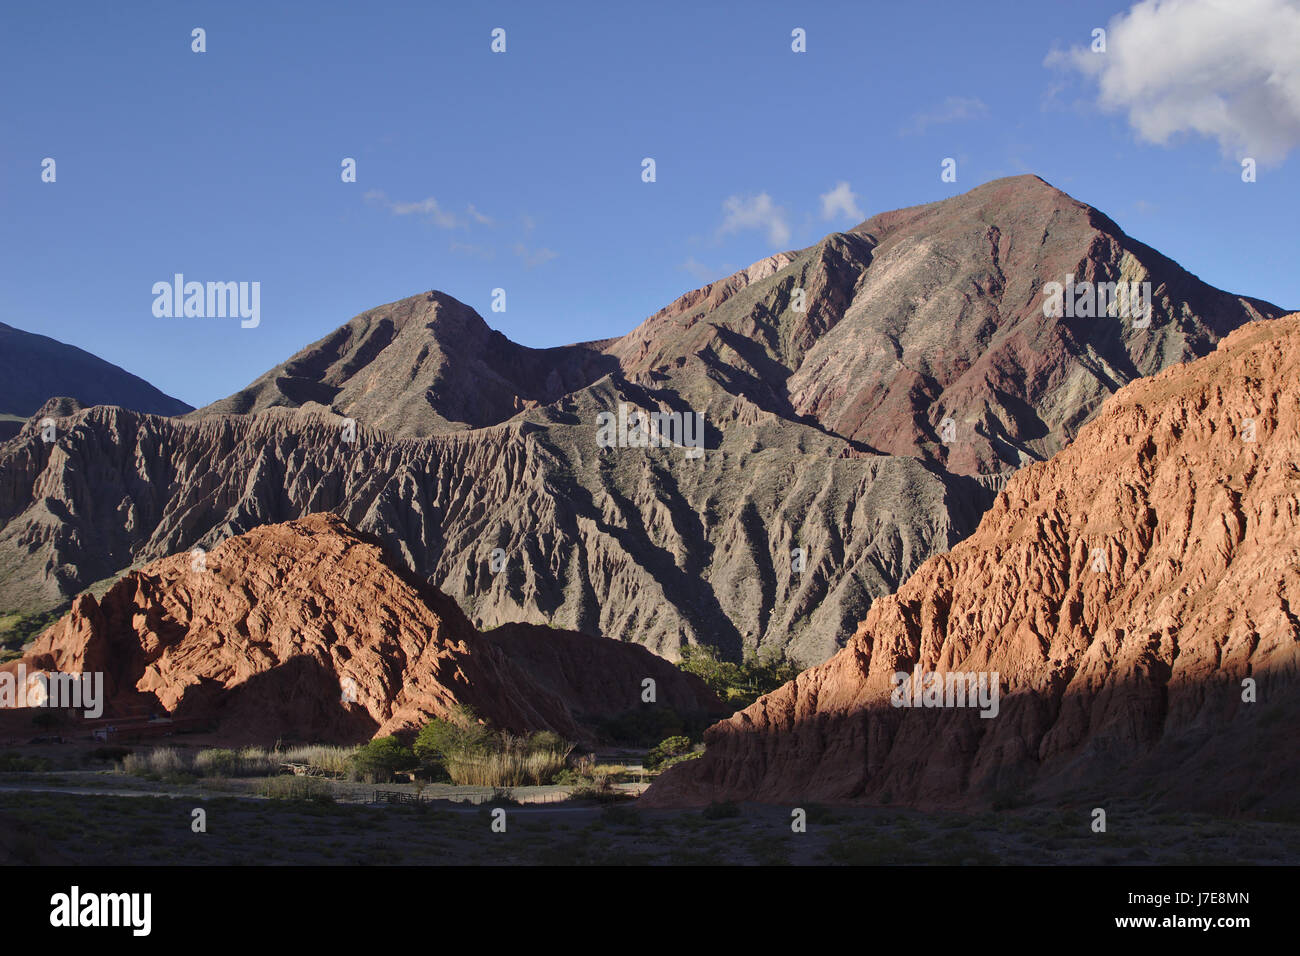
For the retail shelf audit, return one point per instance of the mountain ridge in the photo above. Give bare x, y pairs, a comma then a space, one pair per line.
826, 478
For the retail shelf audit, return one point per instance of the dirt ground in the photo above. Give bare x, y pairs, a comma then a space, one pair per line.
106, 818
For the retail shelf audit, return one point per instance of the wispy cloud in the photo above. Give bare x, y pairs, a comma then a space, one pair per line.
699, 270
534, 257
742, 213
1228, 71
841, 203
471, 249
429, 209
425, 208
952, 110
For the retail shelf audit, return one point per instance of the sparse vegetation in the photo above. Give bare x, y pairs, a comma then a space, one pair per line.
220, 762
156, 763
514, 765
720, 811
333, 761
671, 750
249, 762
312, 789
17, 628
738, 684
464, 749
11, 762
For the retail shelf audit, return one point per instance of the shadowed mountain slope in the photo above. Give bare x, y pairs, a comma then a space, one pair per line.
35, 368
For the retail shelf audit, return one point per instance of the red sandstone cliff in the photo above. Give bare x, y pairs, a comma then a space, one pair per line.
1119, 673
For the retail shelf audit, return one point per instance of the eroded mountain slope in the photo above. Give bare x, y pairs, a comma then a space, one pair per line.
1123, 592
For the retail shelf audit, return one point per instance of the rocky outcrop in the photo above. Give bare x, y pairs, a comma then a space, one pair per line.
309, 631
1133, 595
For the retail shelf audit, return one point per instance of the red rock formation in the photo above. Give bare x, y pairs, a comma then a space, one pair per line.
1122, 591
272, 631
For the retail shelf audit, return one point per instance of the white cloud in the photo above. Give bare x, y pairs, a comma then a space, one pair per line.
534, 257
952, 110
1226, 69
755, 212
427, 208
841, 203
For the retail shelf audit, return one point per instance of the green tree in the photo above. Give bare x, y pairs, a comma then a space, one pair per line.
738, 684
382, 757
665, 750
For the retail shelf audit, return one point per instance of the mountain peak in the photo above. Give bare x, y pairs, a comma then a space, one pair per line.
420, 365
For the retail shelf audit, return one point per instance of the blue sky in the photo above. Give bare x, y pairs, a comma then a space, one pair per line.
522, 170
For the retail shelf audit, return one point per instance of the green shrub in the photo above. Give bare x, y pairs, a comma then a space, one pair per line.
11, 762
647, 724
459, 735
544, 741
382, 757
471, 755
666, 749
680, 758
738, 684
